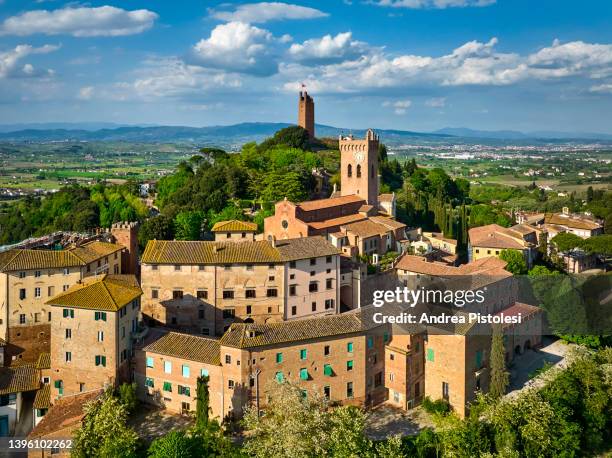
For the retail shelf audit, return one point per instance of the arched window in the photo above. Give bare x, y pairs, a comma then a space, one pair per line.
372, 173
349, 171
359, 171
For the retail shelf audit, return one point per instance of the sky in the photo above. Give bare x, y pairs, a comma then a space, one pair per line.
405, 64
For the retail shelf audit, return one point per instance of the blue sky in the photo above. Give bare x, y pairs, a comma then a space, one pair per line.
405, 64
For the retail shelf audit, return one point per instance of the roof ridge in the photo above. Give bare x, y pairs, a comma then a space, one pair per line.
108, 292
18, 252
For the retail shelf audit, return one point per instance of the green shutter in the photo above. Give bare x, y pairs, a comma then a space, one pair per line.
280, 378
349, 347
349, 365
97, 360
370, 342
168, 387
430, 354
71, 313
279, 357
327, 370
478, 359
386, 337
103, 316
103, 361
304, 374
303, 353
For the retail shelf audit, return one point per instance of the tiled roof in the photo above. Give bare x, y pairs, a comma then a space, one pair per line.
18, 379
200, 252
389, 222
495, 236
421, 265
44, 361
65, 414
367, 228
241, 335
337, 221
187, 346
305, 247
523, 229
319, 204
20, 259
234, 226
43, 397
107, 292
571, 221
517, 308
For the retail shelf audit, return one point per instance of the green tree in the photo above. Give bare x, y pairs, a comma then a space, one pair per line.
127, 396
176, 444
347, 438
499, 375
566, 241
188, 225
157, 228
515, 260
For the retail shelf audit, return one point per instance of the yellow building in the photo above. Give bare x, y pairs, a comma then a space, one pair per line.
492, 239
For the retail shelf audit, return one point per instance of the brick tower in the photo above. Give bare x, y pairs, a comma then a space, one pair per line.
306, 113
359, 167
126, 234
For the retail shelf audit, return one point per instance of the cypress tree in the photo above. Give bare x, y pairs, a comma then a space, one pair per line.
203, 402
499, 375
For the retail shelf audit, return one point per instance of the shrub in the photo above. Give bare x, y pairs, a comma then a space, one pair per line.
439, 406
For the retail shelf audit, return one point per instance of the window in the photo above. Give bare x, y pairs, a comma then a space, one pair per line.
177, 268
313, 287
68, 313
280, 378
230, 384
292, 264
314, 306
391, 356
292, 289
313, 261
279, 358
36, 317
228, 294
185, 370
327, 370
229, 313
327, 392
326, 350
168, 367
293, 310
303, 353
65, 287
349, 390
67, 270
202, 294
100, 316
59, 384
312, 273
149, 382
250, 293
22, 274
100, 360
154, 267
349, 171
358, 170
328, 259
249, 309
204, 372
271, 266
37, 292
445, 390
329, 303
22, 318
477, 251
391, 376
228, 359
329, 283
49, 316
201, 314
177, 294
378, 379
184, 390
370, 342
149, 361
349, 347
68, 357
272, 292
304, 374
227, 266
349, 365
154, 294
22, 293
168, 387
271, 278
201, 267
68, 333
50, 291
430, 354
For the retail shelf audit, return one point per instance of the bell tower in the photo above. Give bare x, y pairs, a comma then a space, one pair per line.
359, 167
306, 113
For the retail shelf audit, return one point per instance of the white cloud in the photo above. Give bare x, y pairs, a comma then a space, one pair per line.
239, 47
400, 106
80, 22
268, 11
86, 93
10, 61
436, 102
439, 4
328, 49
572, 58
602, 88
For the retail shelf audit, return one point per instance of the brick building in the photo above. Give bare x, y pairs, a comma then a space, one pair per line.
91, 333
234, 231
203, 287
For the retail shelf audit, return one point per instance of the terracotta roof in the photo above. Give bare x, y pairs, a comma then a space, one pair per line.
387, 197
367, 228
66, 414
187, 346
234, 226
107, 292
517, 308
495, 236
44, 361
200, 252
421, 265
305, 247
337, 221
319, 204
574, 222
241, 335
523, 229
387, 221
20, 259
18, 379
43, 397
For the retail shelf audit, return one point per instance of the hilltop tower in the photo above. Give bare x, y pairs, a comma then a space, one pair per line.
126, 234
359, 167
306, 113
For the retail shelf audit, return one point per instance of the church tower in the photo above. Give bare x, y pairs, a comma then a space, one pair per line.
359, 167
306, 113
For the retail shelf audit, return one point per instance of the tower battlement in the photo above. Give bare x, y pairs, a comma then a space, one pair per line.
306, 113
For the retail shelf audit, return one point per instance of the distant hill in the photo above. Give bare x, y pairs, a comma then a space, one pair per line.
235, 135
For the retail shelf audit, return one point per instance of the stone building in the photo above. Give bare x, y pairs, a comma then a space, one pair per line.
234, 231
359, 167
30, 277
91, 333
203, 287
492, 239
